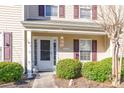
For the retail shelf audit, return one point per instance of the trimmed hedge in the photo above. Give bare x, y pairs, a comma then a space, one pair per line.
122, 70
68, 68
100, 71
97, 71
10, 71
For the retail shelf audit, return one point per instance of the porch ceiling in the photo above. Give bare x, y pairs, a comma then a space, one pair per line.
63, 27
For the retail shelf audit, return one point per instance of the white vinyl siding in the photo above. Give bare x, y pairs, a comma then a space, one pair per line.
10, 21
1, 46
0, 53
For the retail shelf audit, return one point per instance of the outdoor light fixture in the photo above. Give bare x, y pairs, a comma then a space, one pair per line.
61, 41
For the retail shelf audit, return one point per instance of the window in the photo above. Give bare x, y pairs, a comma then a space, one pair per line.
54, 10
85, 11
41, 10
85, 50
48, 10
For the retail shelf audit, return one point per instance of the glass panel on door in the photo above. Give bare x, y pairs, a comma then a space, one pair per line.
45, 50
35, 52
54, 48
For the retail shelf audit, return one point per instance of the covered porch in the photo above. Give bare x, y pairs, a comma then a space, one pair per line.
46, 45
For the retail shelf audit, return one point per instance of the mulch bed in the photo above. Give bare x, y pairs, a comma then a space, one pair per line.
83, 83
24, 83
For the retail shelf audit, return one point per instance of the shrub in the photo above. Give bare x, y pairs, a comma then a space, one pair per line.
107, 60
97, 71
122, 70
68, 68
10, 71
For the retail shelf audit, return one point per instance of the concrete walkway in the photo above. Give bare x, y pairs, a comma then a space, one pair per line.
44, 80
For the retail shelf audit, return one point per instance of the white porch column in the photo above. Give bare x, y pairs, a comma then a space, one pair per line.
29, 54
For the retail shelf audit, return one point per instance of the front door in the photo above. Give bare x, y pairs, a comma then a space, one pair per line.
45, 55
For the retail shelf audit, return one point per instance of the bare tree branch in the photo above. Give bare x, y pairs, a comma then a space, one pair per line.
111, 19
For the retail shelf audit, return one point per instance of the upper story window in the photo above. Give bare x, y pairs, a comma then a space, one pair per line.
48, 10
54, 10
85, 11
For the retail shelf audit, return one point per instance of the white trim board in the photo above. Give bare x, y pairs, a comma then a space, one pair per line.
66, 31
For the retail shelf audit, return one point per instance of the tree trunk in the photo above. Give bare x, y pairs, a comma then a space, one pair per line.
114, 76
115, 65
120, 64
119, 69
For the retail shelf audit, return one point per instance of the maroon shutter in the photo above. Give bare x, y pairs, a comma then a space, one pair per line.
76, 49
62, 11
76, 11
41, 10
94, 12
8, 46
94, 50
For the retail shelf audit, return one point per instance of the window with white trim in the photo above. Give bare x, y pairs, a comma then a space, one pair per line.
1, 46
85, 11
51, 10
85, 50
54, 10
